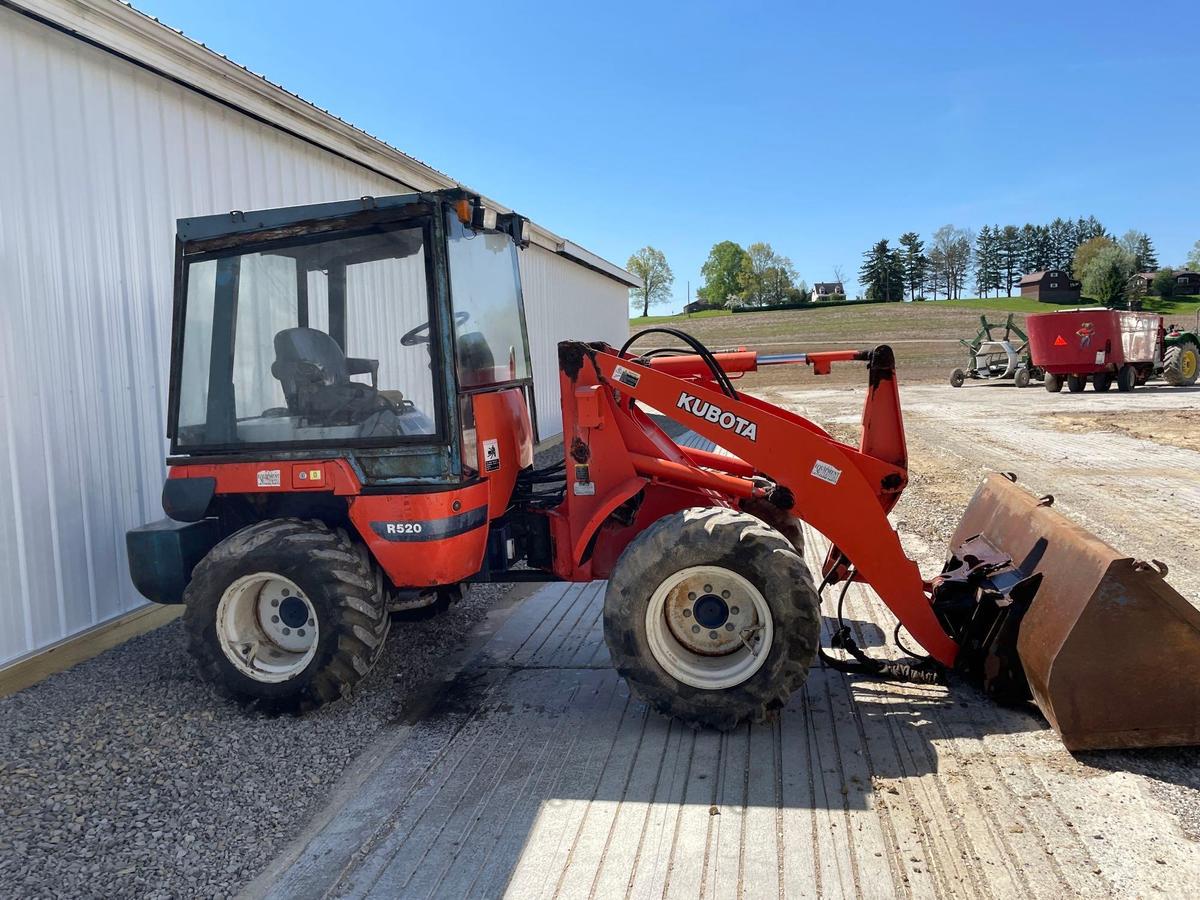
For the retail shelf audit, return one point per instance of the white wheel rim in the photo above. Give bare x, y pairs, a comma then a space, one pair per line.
267, 627
709, 628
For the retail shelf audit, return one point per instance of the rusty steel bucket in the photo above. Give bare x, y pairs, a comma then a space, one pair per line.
1110, 650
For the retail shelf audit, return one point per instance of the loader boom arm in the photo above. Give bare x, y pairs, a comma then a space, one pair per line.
843, 492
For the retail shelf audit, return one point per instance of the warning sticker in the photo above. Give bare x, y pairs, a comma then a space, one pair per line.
1099, 357
268, 478
826, 472
626, 377
584, 488
491, 455
1060, 341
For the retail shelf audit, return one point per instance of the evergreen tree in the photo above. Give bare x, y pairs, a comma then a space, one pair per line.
882, 273
1010, 253
1036, 248
1063, 241
1147, 258
916, 264
987, 261
1086, 229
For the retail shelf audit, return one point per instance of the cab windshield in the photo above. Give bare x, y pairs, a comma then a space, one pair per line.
323, 339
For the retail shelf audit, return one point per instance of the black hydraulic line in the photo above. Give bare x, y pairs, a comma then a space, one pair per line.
719, 374
924, 670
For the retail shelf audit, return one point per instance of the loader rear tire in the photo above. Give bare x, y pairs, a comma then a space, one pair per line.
1181, 364
957, 377
720, 581
1076, 383
252, 586
1102, 381
1021, 378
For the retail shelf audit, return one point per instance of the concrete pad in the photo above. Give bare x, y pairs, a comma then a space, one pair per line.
537, 775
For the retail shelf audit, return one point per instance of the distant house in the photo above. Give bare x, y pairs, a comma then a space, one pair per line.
823, 290
1144, 281
1187, 282
1050, 286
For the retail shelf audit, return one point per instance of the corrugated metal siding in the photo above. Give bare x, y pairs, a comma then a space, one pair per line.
98, 157
565, 301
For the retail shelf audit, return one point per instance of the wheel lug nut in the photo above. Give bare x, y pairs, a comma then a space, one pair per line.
275, 619
708, 589
300, 632
713, 635
687, 613
312, 621
287, 631
695, 629
285, 592
729, 626
274, 601
734, 610
725, 594
691, 595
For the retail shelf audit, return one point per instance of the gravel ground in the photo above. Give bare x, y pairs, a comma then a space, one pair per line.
128, 776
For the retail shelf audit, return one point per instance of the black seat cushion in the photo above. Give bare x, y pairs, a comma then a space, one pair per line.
312, 369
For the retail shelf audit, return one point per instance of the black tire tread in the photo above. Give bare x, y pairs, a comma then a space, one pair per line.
761, 553
332, 566
1172, 372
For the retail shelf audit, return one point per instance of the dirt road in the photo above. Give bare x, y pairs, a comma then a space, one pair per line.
1120, 464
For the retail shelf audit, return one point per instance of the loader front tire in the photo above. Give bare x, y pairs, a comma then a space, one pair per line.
286, 614
711, 616
1076, 383
1053, 383
1181, 364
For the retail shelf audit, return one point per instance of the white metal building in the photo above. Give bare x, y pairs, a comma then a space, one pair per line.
112, 126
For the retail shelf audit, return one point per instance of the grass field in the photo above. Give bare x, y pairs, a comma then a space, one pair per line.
1177, 306
925, 336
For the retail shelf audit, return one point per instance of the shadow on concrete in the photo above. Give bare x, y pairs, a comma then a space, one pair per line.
538, 747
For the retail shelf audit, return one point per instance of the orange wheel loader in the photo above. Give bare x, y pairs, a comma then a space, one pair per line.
351, 423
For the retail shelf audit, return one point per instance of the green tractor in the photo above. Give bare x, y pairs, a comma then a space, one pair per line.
1181, 354
991, 357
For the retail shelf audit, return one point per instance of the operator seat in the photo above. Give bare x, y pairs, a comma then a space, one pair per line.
315, 376
476, 363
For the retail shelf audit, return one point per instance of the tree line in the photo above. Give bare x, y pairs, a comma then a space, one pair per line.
734, 276
996, 256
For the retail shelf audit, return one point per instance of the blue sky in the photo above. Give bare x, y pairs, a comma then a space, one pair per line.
819, 128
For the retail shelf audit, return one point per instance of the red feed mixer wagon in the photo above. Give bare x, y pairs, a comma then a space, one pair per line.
1108, 346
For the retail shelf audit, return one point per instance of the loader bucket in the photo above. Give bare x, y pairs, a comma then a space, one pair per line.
1110, 650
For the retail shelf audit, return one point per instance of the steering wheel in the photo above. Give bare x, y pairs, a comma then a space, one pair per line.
420, 334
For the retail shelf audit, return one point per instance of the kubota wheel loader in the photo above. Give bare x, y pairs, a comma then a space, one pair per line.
352, 430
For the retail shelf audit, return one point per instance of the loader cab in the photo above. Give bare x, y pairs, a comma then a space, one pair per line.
358, 329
